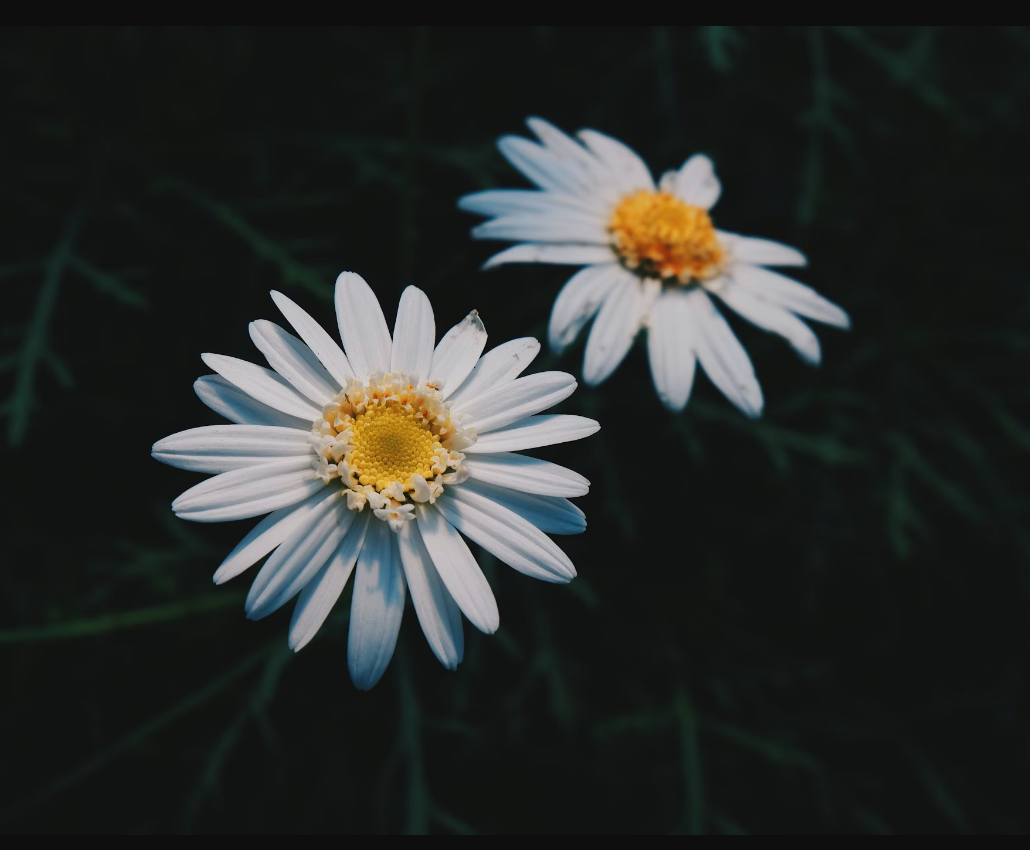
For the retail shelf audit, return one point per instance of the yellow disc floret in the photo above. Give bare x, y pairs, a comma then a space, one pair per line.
391, 444
659, 236
388, 439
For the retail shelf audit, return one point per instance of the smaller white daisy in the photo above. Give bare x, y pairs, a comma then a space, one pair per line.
652, 257
423, 436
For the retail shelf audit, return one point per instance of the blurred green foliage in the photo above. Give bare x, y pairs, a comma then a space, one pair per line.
812, 622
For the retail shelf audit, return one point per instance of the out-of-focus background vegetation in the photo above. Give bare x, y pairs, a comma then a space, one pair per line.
816, 622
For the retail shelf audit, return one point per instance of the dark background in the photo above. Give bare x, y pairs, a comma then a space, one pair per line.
816, 622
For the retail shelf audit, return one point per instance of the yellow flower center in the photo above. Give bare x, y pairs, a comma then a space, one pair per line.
391, 444
386, 440
658, 235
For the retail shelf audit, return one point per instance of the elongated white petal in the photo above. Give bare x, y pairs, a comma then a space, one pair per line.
505, 534
457, 353
696, 182
319, 595
528, 474
627, 169
366, 338
789, 294
545, 168
723, 357
551, 514
516, 400
760, 252
264, 385
579, 301
234, 404
458, 568
533, 432
614, 330
307, 545
502, 202
562, 255
771, 317
248, 492
376, 608
221, 448
292, 359
265, 536
299, 557
595, 172
670, 348
559, 226
413, 335
498, 366
437, 611
324, 346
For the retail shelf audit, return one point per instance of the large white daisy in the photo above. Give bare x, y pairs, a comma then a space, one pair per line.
652, 257
372, 461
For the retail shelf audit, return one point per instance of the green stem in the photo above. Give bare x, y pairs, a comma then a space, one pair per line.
123, 620
136, 737
691, 753
34, 344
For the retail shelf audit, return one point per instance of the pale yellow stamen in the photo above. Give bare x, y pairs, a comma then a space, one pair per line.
389, 440
659, 236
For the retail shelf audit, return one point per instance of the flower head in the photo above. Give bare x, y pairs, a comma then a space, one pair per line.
372, 461
652, 258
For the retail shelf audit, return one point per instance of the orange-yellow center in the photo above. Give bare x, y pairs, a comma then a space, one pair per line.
658, 235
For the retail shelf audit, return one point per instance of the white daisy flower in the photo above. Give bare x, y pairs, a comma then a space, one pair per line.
653, 258
424, 437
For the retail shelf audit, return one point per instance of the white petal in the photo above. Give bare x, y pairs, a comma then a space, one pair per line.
595, 172
500, 365
500, 202
579, 301
556, 140
545, 168
760, 252
457, 353
234, 404
264, 385
299, 557
696, 182
723, 357
628, 170
220, 448
535, 431
527, 474
414, 333
789, 294
770, 317
319, 595
458, 569
248, 492
376, 608
324, 346
614, 330
562, 255
505, 534
670, 348
551, 514
559, 226
516, 400
292, 359
265, 536
363, 330
437, 611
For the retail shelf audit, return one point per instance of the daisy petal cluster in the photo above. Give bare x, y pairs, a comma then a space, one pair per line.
376, 460
652, 260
